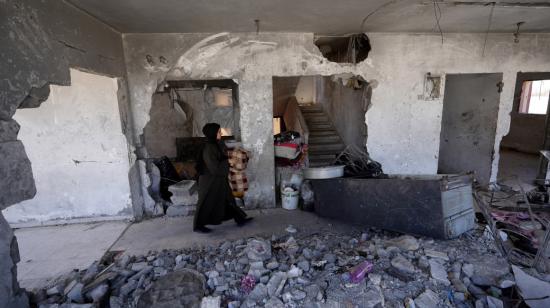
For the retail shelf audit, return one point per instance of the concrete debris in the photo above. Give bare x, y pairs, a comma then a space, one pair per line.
438, 272
180, 210
258, 250
184, 193
405, 243
428, 299
211, 302
532, 288
299, 270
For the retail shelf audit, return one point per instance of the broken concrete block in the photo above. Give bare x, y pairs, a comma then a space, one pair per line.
180, 210
16, 167
258, 250
428, 299
532, 287
439, 273
8, 130
405, 243
211, 302
184, 193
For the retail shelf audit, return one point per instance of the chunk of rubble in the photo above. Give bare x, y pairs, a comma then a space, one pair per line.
405, 243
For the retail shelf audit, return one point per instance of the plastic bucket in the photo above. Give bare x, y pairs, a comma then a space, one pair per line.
290, 199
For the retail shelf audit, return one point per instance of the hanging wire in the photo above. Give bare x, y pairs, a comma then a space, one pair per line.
437, 14
374, 12
488, 27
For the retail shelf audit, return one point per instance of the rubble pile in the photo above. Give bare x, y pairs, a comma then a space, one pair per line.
298, 270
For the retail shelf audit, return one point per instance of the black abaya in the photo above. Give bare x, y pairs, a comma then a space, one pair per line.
216, 203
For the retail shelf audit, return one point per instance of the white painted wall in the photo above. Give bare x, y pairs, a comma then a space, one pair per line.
404, 129
78, 153
305, 91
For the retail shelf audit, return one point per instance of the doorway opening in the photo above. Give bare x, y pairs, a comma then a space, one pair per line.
520, 151
315, 118
173, 138
469, 122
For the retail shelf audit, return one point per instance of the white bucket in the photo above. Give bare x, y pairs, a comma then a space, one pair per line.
290, 199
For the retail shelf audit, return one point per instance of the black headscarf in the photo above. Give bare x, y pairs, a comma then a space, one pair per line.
210, 130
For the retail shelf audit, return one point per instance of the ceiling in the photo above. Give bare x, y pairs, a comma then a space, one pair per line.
327, 17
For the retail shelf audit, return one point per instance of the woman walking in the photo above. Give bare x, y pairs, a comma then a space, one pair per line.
216, 203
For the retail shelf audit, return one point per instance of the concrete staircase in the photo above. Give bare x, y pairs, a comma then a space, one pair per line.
324, 142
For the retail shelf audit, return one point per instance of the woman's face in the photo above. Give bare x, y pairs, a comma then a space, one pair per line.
219, 136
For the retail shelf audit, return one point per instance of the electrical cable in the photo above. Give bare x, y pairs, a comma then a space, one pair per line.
488, 27
374, 12
438, 18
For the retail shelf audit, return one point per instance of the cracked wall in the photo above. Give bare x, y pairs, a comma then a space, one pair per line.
75, 137
40, 40
404, 127
249, 59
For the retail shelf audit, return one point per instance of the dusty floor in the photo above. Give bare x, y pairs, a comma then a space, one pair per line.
516, 166
47, 252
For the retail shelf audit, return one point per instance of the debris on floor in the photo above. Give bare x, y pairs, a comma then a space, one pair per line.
520, 229
302, 269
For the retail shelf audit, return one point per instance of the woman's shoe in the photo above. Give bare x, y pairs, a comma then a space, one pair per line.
244, 221
202, 229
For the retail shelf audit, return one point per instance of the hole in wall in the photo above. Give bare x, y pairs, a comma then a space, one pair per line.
173, 136
316, 118
520, 160
344, 49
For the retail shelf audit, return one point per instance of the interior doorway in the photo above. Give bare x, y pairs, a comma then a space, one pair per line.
469, 121
520, 150
315, 118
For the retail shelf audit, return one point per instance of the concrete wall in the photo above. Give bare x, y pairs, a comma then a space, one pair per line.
165, 126
305, 90
78, 153
345, 107
527, 131
40, 40
470, 110
404, 127
250, 59
283, 89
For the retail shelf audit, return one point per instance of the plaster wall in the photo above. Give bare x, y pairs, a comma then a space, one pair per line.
78, 153
165, 126
283, 89
527, 131
404, 127
40, 40
345, 107
305, 90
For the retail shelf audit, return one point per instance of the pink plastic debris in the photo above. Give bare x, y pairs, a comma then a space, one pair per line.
358, 273
247, 284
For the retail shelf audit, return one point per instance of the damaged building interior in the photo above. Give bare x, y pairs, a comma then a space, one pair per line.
387, 153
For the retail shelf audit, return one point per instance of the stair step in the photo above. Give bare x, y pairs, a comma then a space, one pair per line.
320, 126
331, 148
321, 156
317, 119
322, 133
324, 139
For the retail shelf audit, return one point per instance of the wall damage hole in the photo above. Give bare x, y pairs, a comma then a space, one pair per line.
354, 48
173, 138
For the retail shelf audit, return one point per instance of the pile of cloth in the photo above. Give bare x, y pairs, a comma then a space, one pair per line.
289, 149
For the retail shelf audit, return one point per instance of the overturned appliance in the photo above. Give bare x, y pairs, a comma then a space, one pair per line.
439, 206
